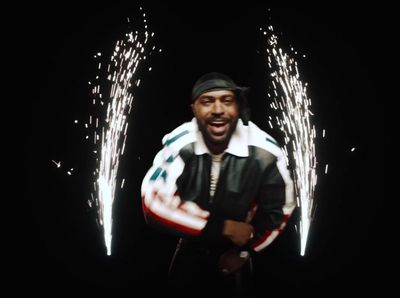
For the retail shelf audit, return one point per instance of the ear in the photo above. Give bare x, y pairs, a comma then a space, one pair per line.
193, 110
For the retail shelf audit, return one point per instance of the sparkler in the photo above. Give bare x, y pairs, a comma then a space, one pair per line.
289, 98
122, 70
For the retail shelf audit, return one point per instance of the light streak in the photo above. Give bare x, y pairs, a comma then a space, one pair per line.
293, 105
121, 71
58, 164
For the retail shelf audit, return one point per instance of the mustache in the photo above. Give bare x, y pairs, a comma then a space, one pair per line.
218, 119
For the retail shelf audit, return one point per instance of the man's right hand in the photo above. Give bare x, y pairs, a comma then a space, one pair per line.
238, 232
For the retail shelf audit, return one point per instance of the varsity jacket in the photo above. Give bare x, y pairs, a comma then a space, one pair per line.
254, 185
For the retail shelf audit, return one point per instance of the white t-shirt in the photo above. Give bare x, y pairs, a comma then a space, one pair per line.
215, 169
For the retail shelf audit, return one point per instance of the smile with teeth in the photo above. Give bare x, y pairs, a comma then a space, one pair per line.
218, 127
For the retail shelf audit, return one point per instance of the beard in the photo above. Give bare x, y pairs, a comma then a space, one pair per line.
217, 131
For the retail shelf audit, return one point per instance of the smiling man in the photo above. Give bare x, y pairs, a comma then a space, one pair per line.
221, 184
217, 114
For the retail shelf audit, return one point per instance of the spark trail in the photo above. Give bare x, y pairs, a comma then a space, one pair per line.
289, 98
122, 70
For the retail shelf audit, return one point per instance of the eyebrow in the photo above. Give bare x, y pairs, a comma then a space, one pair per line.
214, 97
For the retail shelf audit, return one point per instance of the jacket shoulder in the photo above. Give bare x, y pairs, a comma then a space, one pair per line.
262, 141
180, 137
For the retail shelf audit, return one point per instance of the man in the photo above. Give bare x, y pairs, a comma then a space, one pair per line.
221, 184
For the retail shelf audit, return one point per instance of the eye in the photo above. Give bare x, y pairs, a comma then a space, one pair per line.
206, 101
228, 99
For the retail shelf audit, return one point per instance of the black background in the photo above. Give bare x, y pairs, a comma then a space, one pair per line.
346, 65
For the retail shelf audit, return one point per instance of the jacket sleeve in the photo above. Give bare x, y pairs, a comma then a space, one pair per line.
163, 205
275, 204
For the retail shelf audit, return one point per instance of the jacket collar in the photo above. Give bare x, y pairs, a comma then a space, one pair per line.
237, 145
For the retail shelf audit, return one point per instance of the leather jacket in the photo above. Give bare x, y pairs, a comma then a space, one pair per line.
254, 185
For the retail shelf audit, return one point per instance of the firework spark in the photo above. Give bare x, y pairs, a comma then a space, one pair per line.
290, 100
121, 71
58, 164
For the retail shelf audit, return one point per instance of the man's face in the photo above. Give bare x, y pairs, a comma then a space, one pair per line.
217, 113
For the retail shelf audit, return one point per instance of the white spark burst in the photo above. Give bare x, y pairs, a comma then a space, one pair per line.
58, 164
291, 100
121, 71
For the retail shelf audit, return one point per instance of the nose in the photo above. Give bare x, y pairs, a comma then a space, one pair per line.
217, 108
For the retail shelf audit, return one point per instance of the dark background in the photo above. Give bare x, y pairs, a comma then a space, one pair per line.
346, 65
